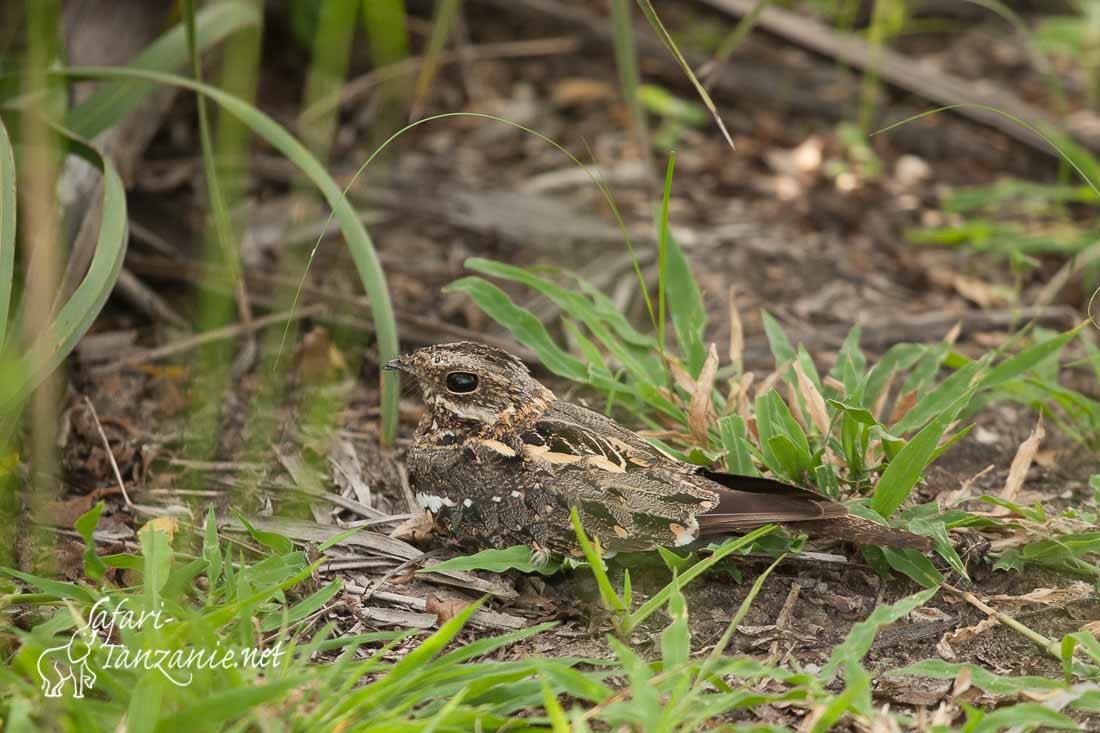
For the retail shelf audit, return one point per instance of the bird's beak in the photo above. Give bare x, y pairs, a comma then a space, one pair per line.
399, 364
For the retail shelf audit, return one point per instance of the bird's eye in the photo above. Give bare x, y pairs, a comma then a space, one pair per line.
461, 382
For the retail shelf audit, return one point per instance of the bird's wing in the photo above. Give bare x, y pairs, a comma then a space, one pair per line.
628, 493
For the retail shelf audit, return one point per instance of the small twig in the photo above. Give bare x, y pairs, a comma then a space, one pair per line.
414, 508
376, 585
1049, 646
207, 337
110, 455
783, 620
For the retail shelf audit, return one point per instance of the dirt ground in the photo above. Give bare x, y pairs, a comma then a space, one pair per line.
819, 249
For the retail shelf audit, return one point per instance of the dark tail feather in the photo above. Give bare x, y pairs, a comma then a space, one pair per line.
862, 532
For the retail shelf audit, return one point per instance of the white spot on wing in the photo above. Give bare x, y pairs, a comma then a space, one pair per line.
431, 502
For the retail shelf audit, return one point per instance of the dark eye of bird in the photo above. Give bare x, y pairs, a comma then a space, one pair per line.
461, 382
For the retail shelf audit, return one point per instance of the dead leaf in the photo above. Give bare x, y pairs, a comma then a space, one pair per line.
880, 401
444, 609
903, 406
679, 374
793, 405
1025, 454
737, 334
815, 403
1049, 596
417, 528
1092, 627
580, 91
168, 525
318, 357
698, 413
962, 682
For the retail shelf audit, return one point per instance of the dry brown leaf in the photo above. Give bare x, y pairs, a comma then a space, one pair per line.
679, 374
903, 405
1049, 596
743, 396
1025, 454
1092, 627
444, 609
794, 407
698, 414
953, 335
815, 403
880, 401
318, 357
737, 334
415, 529
962, 682
833, 383
580, 91
168, 525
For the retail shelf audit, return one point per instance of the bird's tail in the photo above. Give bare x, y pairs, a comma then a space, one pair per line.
861, 532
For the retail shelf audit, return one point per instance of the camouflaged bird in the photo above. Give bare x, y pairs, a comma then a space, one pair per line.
500, 460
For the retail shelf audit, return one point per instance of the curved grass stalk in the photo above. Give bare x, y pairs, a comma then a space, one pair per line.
359, 242
51, 346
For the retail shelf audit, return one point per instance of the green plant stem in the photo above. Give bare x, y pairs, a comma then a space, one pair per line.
626, 63
659, 600
662, 253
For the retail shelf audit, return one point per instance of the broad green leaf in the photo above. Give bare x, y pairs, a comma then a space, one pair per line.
58, 588
685, 304
676, 637
735, 442
211, 550
156, 552
280, 544
915, 565
217, 710
642, 365
85, 526
519, 558
522, 324
906, 467
939, 399
307, 606
980, 677
780, 344
1028, 359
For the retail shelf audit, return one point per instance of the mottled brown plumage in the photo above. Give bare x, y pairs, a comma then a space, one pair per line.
500, 460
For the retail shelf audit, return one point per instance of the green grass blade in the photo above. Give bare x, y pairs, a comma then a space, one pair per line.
666, 37
661, 598
861, 636
359, 242
685, 304
7, 228
905, 469
327, 71
662, 252
626, 63
51, 347
115, 99
522, 324
446, 15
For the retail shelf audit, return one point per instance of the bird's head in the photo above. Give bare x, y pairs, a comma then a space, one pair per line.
471, 385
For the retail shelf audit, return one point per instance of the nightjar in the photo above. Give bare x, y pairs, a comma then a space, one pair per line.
500, 461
